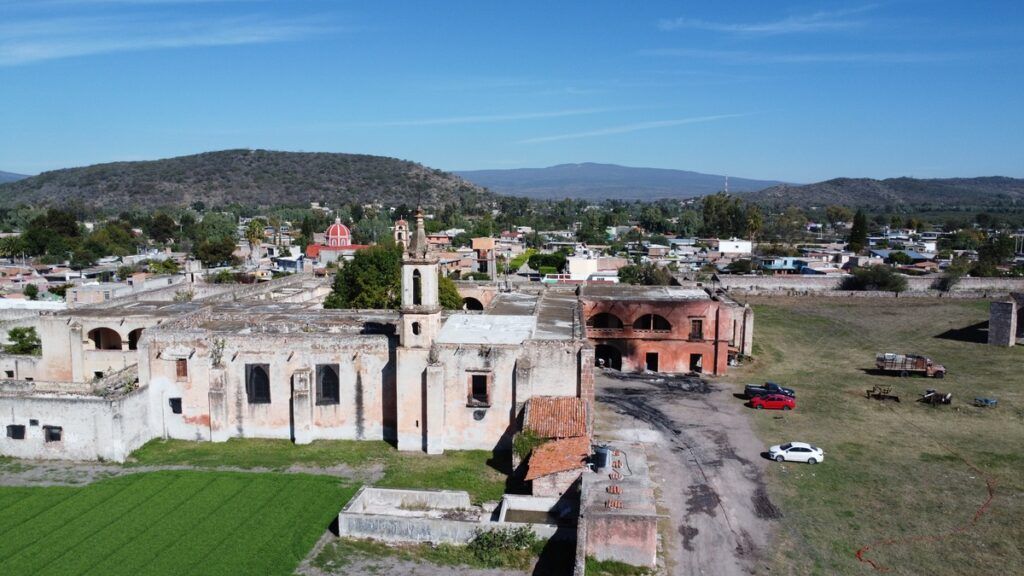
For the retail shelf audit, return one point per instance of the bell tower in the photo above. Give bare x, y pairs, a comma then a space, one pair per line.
421, 309
419, 380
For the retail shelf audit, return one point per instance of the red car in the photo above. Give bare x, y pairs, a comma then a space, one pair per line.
773, 402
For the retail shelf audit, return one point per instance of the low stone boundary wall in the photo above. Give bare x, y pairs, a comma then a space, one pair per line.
413, 516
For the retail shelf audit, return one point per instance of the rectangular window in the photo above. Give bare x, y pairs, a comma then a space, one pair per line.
181, 368
328, 385
257, 383
16, 431
479, 389
53, 433
175, 405
9, 373
696, 329
33, 422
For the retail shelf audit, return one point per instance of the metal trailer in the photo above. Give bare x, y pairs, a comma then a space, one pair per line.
907, 364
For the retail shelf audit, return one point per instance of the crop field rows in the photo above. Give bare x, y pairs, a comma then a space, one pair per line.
172, 522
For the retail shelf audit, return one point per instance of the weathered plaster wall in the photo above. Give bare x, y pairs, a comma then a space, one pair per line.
214, 400
92, 427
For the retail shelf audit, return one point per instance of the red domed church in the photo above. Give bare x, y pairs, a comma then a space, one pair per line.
338, 245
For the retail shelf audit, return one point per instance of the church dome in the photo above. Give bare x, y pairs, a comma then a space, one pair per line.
338, 234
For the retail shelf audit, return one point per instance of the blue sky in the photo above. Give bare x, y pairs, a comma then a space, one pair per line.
797, 91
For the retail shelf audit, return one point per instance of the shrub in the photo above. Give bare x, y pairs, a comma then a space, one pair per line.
524, 442
493, 547
876, 277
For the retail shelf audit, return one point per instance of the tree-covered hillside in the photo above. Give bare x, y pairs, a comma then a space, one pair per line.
248, 178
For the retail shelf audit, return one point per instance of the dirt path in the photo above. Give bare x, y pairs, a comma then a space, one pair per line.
707, 464
70, 473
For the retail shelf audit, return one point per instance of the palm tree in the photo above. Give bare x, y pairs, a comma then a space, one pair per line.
254, 235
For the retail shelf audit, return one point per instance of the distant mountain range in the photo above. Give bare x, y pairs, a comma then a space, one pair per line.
10, 177
591, 181
945, 193
247, 177
268, 178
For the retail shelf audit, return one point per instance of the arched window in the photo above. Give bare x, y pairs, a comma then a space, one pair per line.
605, 321
105, 339
133, 339
417, 288
416, 328
652, 322
257, 383
470, 303
328, 385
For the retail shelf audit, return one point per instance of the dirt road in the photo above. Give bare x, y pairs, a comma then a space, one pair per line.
707, 464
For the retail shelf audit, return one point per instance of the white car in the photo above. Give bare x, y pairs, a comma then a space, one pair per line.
796, 452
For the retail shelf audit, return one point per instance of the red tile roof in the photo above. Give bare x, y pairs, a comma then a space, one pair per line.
556, 417
558, 456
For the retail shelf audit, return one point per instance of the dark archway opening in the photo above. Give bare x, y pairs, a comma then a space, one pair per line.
133, 339
607, 356
470, 303
605, 321
105, 339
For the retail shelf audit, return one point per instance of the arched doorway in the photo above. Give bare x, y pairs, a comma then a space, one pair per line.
607, 356
105, 339
470, 303
133, 339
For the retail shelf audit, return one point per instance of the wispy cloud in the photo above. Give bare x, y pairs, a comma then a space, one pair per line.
817, 22
28, 41
623, 129
748, 57
481, 118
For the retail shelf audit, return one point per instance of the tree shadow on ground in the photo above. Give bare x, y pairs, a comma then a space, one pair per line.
975, 333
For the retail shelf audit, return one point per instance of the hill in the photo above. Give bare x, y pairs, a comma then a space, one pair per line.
602, 181
247, 177
10, 177
947, 193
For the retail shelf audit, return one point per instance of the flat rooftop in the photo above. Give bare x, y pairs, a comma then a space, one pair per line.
155, 309
627, 292
286, 318
486, 329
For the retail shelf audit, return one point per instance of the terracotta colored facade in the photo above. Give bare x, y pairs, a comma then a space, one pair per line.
665, 329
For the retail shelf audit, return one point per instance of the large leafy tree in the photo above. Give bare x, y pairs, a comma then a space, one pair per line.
372, 279
645, 274
448, 293
23, 340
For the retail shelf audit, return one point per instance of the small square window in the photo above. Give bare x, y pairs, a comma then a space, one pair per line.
33, 422
16, 431
175, 405
9, 373
479, 389
97, 375
53, 433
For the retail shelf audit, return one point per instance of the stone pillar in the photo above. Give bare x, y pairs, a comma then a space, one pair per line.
219, 425
302, 408
77, 353
747, 346
586, 373
435, 401
1002, 323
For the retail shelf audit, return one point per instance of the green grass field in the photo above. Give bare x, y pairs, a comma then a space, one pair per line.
468, 470
904, 479
170, 522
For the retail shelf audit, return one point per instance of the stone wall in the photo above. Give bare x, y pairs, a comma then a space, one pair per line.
92, 427
810, 284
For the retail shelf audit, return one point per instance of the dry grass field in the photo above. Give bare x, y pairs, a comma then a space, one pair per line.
903, 483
